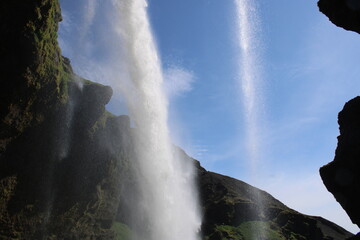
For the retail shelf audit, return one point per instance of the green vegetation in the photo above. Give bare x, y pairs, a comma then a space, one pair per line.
251, 230
49, 65
101, 122
260, 230
226, 232
122, 231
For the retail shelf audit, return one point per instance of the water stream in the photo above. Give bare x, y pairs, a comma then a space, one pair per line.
168, 197
250, 83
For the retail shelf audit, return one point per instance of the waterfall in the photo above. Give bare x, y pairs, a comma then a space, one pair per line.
168, 197
249, 80
249, 63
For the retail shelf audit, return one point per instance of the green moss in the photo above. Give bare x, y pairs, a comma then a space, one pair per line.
101, 123
260, 230
48, 60
251, 230
225, 232
122, 231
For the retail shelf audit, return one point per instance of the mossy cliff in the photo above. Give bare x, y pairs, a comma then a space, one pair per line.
32, 70
65, 162
59, 164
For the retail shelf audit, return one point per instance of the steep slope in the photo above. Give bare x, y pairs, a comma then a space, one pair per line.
236, 210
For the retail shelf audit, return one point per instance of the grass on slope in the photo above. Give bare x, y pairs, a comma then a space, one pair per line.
251, 230
122, 231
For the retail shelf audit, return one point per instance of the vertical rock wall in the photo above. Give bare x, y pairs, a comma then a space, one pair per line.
341, 177
61, 152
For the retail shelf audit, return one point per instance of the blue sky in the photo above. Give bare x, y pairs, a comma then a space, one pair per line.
308, 71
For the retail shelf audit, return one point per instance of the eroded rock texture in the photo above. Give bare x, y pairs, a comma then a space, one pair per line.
60, 167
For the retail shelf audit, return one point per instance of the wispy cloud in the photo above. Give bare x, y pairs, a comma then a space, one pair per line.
177, 81
200, 150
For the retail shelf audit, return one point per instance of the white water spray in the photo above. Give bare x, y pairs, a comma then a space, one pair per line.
250, 83
166, 182
250, 75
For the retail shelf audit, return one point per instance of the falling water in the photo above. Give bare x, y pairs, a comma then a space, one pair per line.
168, 198
248, 43
250, 74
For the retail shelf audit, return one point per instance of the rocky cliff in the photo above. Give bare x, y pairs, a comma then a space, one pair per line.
59, 164
341, 176
65, 161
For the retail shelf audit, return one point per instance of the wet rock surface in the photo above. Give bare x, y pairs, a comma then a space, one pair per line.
60, 167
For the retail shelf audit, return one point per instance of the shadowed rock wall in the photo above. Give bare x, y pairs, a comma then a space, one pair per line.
343, 13
61, 152
341, 177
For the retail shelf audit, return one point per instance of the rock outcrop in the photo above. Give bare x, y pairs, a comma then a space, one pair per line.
60, 167
343, 13
341, 176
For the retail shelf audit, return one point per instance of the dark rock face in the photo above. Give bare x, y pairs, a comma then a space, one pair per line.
341, 176
32, 69
343, 13
60, 167
235, 210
